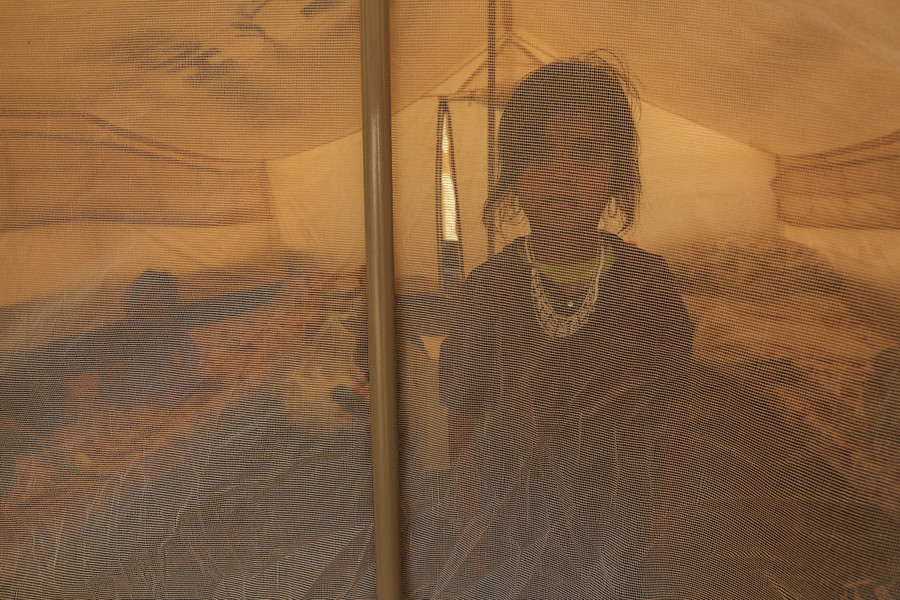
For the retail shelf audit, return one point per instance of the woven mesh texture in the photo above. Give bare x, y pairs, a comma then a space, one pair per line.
648, 288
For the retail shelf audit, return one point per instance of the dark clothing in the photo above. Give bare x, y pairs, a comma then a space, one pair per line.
572, 462
147, 362
498, 351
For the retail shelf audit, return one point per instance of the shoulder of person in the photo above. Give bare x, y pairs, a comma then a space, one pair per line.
636, 262
497, 267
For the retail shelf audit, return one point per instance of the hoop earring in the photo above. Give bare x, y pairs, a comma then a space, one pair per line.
612, 207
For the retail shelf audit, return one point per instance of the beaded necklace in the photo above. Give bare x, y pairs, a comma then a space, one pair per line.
553, 324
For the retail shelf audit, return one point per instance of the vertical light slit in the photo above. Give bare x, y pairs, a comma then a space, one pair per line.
448, 187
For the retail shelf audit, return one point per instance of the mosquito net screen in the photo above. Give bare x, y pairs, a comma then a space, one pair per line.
179, 375
646, 291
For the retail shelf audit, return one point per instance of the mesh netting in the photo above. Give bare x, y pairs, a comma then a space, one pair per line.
647, 299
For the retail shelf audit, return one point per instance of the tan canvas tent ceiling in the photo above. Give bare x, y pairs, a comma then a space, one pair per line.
220, 144
828, 70
797, 78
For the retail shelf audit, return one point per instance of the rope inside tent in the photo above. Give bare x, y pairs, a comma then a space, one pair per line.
491, 219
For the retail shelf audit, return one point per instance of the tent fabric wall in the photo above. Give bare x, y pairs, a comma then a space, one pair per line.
53, 178
844, 204
219, 142
797, 77
868, 255
851, 60
827, 72
233, 79
693, 192
852, 188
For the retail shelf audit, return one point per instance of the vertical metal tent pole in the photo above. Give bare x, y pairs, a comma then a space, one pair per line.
376, 115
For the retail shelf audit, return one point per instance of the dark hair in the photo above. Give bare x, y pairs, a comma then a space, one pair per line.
152, 286
593, 80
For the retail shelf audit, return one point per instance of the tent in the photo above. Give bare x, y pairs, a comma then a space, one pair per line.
220, 142
764, 94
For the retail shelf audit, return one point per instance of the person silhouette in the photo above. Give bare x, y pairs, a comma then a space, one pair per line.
148, 357
572, 350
